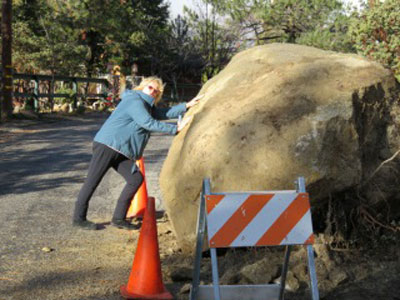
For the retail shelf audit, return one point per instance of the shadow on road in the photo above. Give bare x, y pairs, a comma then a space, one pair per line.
47, 156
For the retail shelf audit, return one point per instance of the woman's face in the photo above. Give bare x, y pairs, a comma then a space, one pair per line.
152, 89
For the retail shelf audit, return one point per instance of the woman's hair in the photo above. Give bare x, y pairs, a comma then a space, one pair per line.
146, 81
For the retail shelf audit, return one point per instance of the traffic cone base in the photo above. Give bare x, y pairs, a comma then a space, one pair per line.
161, 296
145, 279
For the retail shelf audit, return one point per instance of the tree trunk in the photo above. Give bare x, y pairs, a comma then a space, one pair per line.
7, 79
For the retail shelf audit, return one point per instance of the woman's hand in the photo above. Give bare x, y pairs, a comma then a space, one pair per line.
194, 101
183, 123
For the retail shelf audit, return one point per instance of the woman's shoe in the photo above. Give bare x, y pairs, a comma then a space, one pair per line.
85, 224
123, 224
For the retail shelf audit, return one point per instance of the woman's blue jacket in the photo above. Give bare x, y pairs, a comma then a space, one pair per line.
128, 128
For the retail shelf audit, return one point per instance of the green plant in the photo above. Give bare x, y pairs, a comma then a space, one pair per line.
69, 99
376, 34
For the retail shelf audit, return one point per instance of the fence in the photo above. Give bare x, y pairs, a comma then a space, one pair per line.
37, 87
34, 86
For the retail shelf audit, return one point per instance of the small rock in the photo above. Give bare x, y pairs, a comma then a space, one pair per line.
47, 249
262, 271
321, 269
292, 284
338, 276
185, 289
322, 254
300, 271
231, 276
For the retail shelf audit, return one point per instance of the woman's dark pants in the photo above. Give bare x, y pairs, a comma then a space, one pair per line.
103, 159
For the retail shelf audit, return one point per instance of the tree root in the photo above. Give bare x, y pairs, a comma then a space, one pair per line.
381, 165
374, 222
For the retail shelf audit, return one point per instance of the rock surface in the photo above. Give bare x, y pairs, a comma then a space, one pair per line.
276, 112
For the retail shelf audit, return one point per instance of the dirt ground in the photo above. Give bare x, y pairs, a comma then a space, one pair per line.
42, 166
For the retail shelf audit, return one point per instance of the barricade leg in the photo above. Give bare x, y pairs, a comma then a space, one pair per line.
301, 187
284, 272
214, 265
201, 224
312, 273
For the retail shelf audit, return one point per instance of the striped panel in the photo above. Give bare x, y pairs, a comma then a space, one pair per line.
240, 220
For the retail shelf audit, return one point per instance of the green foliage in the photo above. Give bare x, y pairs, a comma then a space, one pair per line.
334, 37
293, 18
43, 40
318, 23
85, 37
80, 37
376, 34
65, 90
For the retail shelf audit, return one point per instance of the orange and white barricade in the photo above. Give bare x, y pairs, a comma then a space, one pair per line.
251, 219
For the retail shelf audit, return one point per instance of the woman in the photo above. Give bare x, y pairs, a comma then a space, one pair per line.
121, 141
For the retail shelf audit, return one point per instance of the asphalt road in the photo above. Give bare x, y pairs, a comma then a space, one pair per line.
42, 167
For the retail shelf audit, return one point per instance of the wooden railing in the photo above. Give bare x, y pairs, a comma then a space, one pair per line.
36, 94
173, 93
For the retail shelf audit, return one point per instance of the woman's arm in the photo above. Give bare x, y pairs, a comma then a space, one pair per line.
175, 111
166, 113
144, 119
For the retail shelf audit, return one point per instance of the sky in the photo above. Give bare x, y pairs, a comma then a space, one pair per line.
177, 6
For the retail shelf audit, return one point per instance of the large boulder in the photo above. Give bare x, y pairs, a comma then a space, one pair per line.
276, 112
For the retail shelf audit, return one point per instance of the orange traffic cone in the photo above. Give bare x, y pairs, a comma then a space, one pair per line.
139, 201
145, 280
